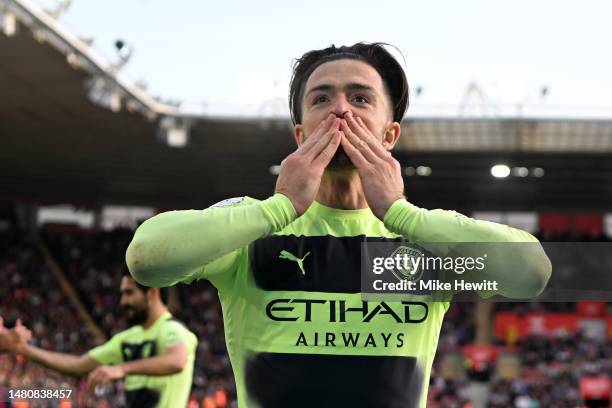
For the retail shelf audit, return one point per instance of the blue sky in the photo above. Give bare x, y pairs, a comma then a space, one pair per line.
236, 56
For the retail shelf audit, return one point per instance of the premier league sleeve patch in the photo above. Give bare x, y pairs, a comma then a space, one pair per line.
228, 202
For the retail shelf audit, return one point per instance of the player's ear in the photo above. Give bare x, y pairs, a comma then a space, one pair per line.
391, 136
298, 133
152, 293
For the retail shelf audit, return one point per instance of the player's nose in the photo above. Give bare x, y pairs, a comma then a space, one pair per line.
340, 107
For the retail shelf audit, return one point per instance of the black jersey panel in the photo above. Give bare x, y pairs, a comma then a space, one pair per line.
304, 263
275, 380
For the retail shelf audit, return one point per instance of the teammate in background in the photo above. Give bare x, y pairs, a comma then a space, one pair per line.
287, 268
155, 356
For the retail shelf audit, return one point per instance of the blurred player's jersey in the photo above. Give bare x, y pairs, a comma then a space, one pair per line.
135, 343
297, 330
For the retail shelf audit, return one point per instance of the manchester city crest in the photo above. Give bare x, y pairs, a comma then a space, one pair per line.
410, 265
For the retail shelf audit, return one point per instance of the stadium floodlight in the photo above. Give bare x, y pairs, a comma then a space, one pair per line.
537, 172
173, 131
409, 171
9, 23
520, 171
500, 171
176, 137
423, 171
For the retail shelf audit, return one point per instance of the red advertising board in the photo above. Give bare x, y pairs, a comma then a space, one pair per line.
510, 326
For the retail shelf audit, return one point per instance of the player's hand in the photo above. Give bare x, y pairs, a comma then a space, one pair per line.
380, 173
15, 339
103, 374
300, 173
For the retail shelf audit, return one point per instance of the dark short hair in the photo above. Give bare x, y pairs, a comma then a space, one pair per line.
374, 54
163, 292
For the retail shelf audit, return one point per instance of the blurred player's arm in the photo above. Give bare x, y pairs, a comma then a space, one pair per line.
64, 363
521, 271
171, 362
17, 342
178, 245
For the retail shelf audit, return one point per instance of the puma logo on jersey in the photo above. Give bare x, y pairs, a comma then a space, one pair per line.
300, 261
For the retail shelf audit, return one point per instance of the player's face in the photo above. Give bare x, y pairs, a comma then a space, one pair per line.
133, 301
340, 86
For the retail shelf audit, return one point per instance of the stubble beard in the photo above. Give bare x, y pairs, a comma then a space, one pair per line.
136, 316
340, 161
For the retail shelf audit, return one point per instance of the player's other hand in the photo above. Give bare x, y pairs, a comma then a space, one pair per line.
300, 173
103, 374
380, 174
15, 339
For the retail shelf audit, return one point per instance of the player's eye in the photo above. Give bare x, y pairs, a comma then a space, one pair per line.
360, 99
319, 99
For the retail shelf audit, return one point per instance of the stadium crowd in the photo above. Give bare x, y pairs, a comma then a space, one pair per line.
30, 291
549, 375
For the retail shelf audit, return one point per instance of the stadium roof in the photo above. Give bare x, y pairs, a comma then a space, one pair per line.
73, 131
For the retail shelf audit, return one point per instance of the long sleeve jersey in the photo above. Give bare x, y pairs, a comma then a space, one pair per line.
298, 331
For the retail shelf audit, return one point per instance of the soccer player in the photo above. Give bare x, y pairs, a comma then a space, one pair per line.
287, 268
155, 356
